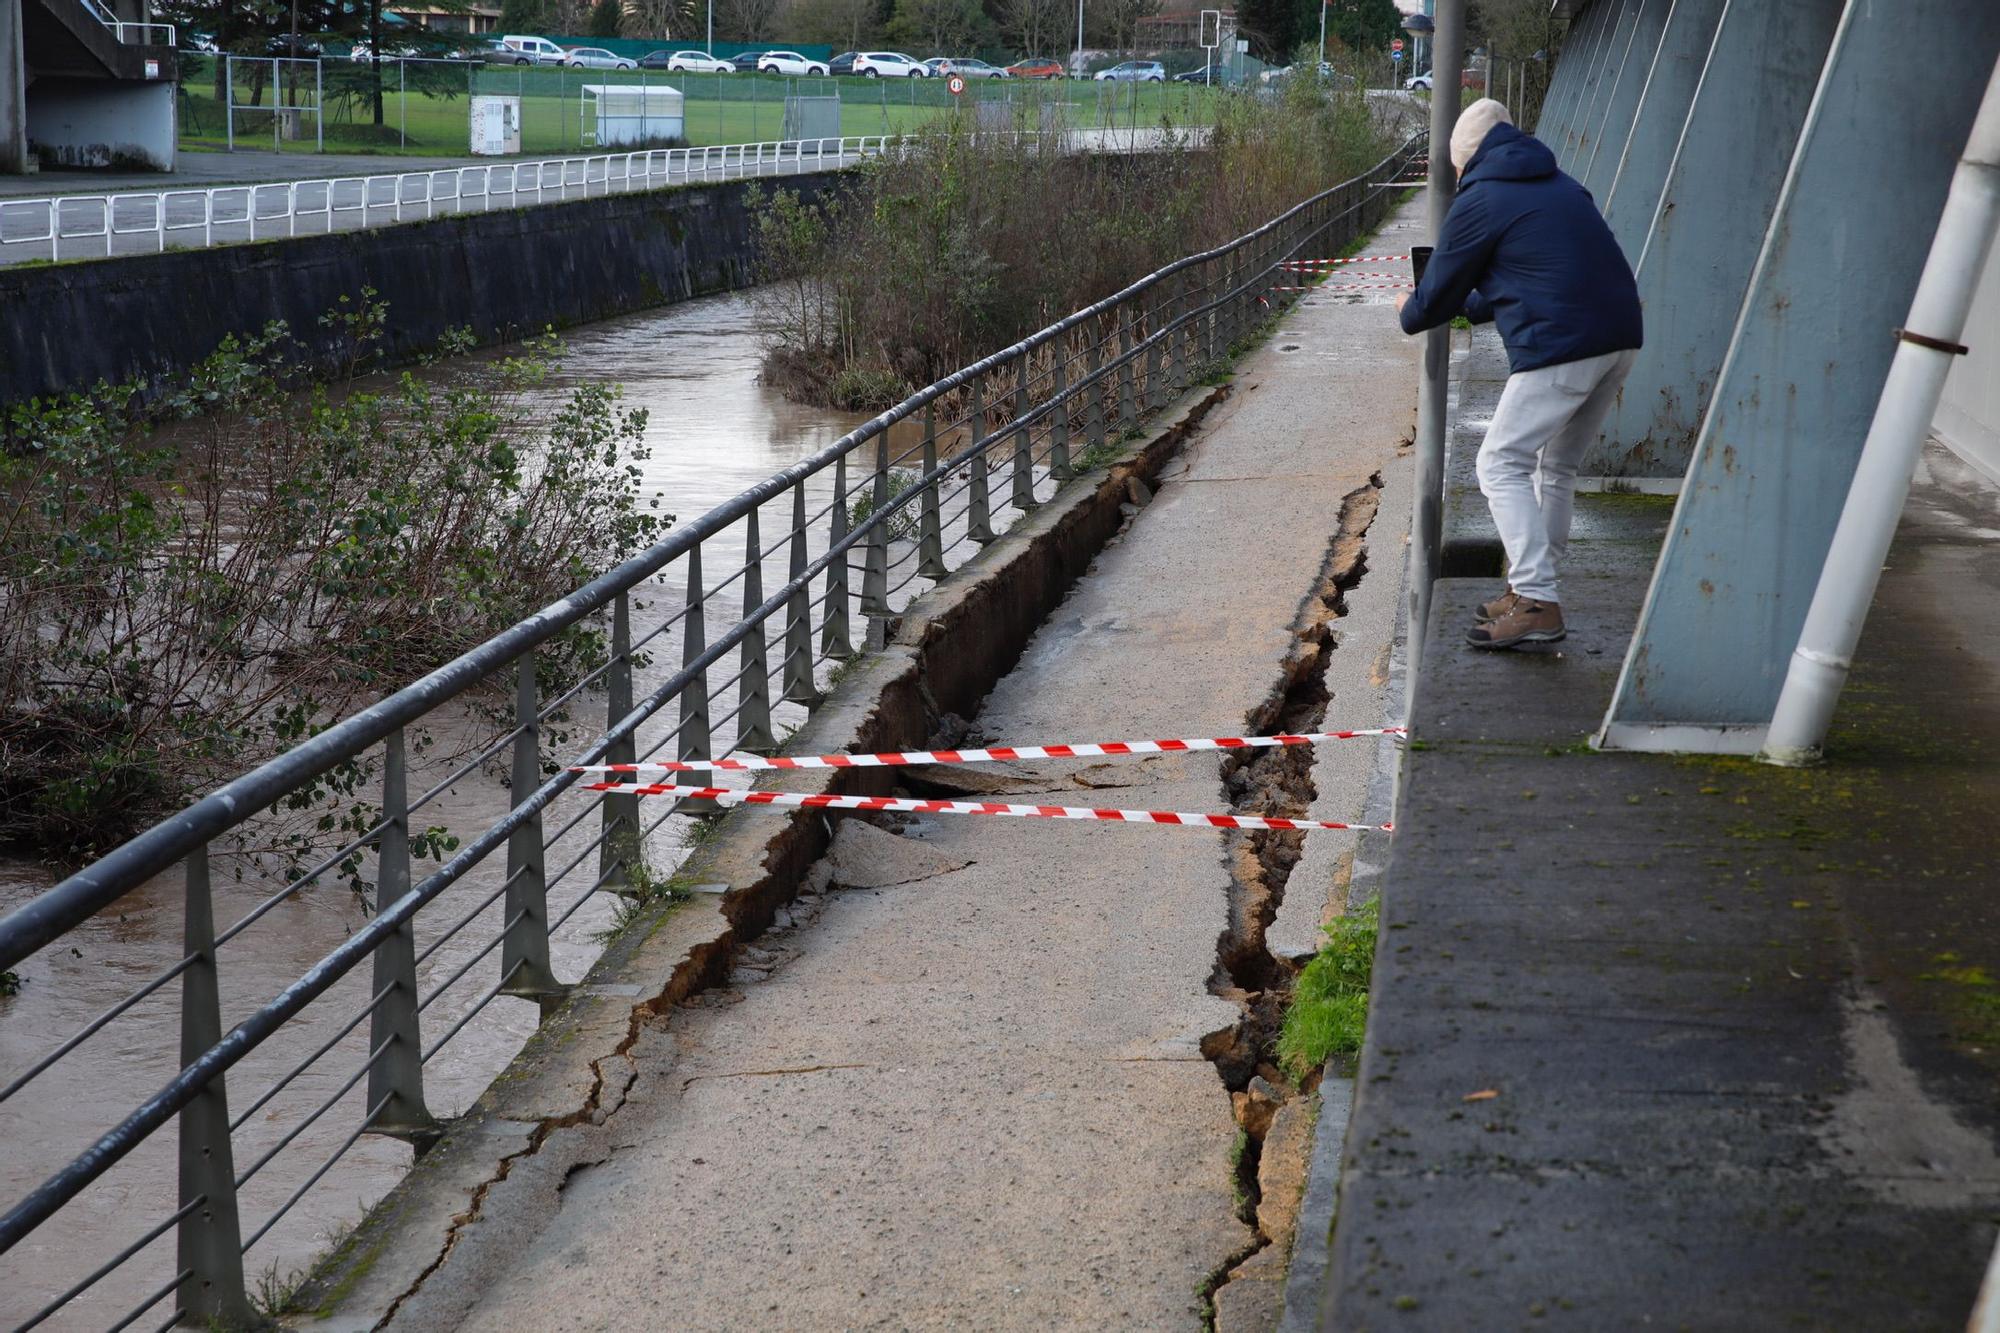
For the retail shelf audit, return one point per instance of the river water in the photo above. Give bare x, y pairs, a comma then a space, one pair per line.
713, 430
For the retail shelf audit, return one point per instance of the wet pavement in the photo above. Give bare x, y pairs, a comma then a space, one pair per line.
1689, 1040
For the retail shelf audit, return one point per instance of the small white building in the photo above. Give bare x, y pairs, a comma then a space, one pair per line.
630, 115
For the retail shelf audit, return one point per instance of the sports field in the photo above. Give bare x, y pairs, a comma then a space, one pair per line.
426, 108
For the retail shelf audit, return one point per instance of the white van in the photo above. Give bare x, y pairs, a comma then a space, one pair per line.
529, 51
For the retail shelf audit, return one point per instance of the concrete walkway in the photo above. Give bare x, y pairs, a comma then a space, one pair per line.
967, 1086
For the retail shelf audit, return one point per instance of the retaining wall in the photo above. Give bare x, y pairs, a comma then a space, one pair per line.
500, 274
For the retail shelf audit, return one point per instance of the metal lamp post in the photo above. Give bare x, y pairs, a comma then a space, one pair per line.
1076, 62
1419, 26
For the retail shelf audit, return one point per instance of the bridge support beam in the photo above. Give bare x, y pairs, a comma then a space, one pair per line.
1634, 192
14, 159
1777, 450
1572, 70
1599, 163
1609, 50
1703, 237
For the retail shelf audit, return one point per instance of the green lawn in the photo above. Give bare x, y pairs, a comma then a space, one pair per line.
719, 109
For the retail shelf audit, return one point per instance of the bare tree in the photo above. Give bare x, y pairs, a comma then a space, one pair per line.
748, 20
847, 25
1122, 18
1033, 24
938, 26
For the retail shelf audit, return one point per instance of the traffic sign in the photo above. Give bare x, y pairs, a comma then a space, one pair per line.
955, 84
1396, 56
1396, 45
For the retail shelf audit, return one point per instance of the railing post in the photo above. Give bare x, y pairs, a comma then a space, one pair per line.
1024, 445
753, 676
1094, 420
930, 533
693, 734
1128, 410
799, 686
210, 1240
875, 572
618, 827
978, 514
833, 636
1152, 397
396, 1079
524, 951
1059, 427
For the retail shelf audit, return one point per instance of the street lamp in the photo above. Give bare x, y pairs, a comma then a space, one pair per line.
1076, 62
1419, 26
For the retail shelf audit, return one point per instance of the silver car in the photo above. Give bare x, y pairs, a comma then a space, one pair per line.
596, 57
1134, 71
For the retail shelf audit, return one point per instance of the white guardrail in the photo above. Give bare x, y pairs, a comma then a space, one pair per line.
228, 214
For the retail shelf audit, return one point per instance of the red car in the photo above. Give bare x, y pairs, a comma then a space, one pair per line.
1036, 67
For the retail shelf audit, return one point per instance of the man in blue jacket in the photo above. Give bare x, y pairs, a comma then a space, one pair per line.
1525, 247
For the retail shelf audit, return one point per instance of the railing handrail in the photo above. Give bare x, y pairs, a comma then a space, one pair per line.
186, 835
40, 920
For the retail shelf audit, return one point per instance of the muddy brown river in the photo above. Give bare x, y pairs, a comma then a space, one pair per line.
713, 430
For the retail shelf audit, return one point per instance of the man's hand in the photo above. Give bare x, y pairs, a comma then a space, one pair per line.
1402, 299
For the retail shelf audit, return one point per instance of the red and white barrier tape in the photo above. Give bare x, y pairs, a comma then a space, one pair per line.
1363, 287
1357, 259
999, 754
1005, 810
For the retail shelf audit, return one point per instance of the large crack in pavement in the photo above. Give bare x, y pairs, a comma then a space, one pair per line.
1279, 782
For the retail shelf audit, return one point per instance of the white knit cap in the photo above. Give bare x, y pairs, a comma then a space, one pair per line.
1473, 125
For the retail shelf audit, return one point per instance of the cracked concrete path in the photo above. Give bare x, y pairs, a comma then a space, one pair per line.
974, 1095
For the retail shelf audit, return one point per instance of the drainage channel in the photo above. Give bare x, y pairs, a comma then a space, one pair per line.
1274, 782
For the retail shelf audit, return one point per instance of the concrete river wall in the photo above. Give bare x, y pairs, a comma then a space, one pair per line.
501, 275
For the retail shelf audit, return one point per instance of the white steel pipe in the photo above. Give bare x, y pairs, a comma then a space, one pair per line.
1903, 415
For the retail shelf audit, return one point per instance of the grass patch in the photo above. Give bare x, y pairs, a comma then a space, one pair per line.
643, 889
1329, 1009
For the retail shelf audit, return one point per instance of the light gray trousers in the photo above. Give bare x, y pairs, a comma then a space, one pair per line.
1527, 466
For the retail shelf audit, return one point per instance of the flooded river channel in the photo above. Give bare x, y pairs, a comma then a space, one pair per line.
713, 430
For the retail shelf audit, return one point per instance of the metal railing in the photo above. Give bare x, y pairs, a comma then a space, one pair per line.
228, 214
861, 528
120, 27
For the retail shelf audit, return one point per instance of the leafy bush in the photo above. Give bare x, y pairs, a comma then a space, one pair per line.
965, 241
204, 584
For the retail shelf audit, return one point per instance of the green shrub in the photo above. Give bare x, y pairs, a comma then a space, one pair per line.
1329, 1010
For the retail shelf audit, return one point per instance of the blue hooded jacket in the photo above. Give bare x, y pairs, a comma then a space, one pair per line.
1525, 247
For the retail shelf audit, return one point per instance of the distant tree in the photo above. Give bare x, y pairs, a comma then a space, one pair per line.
524, 16
1121, 19
1032, 26
1362, 25
659, 19
937, 27
606, 16
845, 25
747, 20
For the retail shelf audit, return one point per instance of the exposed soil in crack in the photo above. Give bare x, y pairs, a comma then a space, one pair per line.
1275, 782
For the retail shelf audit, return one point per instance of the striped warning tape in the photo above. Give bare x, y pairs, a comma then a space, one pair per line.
1005, 810
999, 754
1362, 287
1327, 263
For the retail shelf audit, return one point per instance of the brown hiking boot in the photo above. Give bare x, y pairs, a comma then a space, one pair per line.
1496, 608
1525, 622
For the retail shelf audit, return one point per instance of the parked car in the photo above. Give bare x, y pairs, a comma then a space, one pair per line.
1134, 71
527, 51
1217, 75
1037, 67
1467, 78
789, 62
964, 67
362, 53
687, 62
595, 57
745, 62
841, 64
888, 65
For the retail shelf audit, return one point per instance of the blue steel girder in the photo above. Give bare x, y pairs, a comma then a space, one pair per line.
1721, 186
1599, 162
1573, 70
1583, 127
1812, 347
1635, 187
